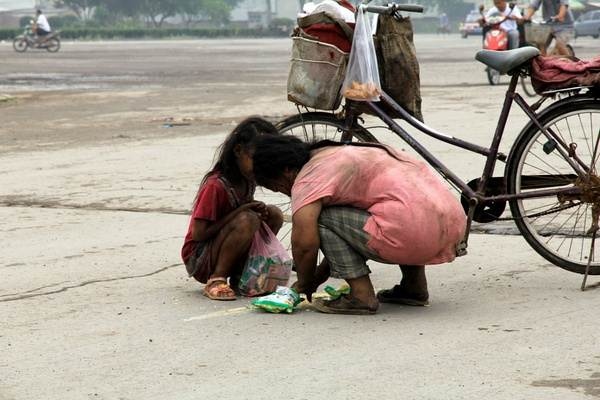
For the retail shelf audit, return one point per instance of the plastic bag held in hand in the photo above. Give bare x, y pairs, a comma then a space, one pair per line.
362, 76
268, 265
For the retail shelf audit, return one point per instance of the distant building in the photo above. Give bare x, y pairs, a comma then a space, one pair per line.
253, 13
11, 11
24, 5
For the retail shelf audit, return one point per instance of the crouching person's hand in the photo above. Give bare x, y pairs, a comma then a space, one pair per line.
307, 288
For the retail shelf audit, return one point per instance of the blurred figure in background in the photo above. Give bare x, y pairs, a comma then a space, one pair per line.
41, 27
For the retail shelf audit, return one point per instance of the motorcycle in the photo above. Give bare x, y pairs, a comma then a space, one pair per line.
494, 39
28, 39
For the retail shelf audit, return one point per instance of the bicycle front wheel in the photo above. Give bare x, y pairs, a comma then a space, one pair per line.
314, 126
558, 226
53, 45
493, 76
20, 45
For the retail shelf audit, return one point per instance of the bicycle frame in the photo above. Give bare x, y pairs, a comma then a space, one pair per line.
486, 197
478, 196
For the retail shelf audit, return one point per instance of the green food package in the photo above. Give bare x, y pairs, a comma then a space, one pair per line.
282, 301
336, 293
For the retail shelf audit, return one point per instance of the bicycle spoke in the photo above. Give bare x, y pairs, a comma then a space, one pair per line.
585, 136
561, 226
556, 215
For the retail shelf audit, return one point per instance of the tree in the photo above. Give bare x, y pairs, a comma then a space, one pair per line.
217, 11
159, 10
129, 8
190, 10
84, 9
269, 12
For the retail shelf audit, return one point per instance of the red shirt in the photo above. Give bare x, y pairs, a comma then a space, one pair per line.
216, 198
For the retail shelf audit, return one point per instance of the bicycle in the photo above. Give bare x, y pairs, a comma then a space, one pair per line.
550, 181
549, 41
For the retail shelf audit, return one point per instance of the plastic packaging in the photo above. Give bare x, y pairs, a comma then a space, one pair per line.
282, 301
268, 265
337, 293
362, 77
335, 9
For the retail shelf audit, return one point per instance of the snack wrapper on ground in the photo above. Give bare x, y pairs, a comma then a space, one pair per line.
282, 301
336, 293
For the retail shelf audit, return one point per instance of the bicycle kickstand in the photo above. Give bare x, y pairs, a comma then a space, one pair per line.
590, 259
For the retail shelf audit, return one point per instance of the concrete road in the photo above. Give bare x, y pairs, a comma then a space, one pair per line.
94, 192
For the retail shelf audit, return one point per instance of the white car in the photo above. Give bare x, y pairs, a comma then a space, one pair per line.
470, 26
588, 24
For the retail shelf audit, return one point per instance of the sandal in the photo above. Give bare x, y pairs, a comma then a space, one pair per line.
218, 289
396, 295
345, 304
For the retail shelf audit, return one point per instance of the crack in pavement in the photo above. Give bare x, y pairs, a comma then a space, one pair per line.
89, 207
23, 296
33, 290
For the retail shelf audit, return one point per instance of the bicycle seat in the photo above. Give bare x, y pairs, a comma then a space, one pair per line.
506, 60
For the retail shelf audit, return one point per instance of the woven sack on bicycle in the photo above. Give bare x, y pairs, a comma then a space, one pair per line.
317, 68
398, 64
553, 73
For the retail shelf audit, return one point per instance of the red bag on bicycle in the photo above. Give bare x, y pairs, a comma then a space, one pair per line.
552, 73
325, 28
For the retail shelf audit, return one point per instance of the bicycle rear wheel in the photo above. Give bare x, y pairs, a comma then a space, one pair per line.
557, 226
310, 127
313, 126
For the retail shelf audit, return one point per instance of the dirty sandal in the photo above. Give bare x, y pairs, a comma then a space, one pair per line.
397, 296
218, 289
345, 304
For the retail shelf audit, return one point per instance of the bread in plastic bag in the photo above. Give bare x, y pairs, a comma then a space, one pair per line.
362, 76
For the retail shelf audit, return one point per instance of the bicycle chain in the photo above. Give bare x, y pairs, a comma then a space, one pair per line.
541, 213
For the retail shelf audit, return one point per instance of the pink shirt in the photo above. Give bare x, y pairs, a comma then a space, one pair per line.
415, 219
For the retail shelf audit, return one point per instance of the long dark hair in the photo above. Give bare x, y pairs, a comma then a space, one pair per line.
243, 134
274, 154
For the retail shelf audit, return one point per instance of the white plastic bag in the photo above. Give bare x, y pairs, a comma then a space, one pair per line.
268, 265
362, 76
335, 9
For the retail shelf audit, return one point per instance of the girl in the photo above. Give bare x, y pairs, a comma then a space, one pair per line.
225, 216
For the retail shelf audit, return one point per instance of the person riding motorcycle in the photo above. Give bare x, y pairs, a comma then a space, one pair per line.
41, 27
512, 16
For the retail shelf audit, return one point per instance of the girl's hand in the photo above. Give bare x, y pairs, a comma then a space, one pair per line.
258, 207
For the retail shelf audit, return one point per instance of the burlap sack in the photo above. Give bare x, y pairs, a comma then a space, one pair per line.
398, 64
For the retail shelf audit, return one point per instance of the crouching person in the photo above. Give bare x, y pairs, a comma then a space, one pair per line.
359, 202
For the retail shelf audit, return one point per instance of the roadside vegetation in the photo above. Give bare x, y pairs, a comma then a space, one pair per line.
156, 19
116, 19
